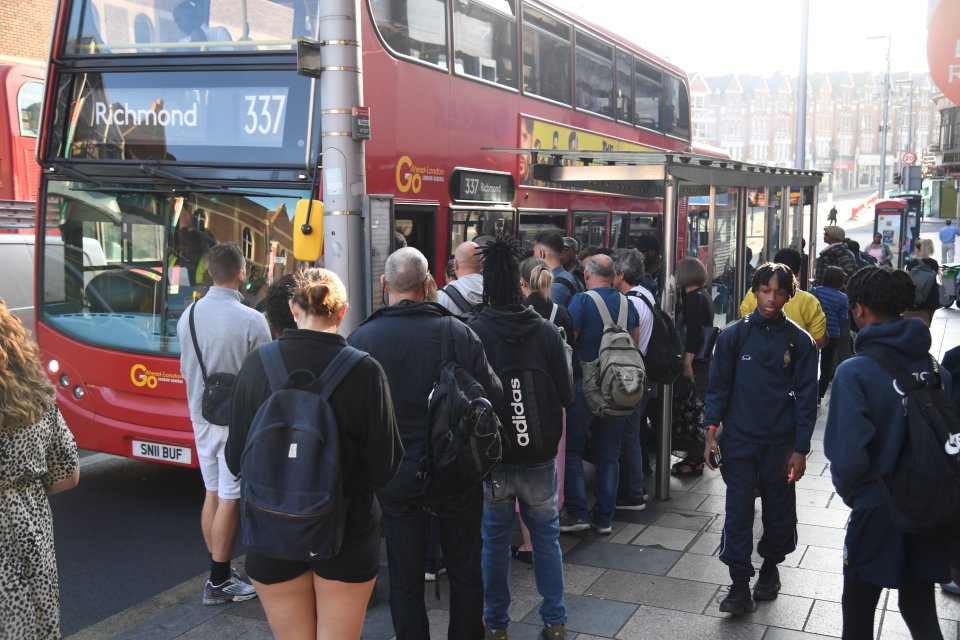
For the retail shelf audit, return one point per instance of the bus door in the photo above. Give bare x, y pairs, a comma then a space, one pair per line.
640, 224
533, 222
416, 226
590, 228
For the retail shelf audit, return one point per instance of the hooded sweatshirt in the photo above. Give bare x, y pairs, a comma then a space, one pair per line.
527, 353
866, 424
749, 392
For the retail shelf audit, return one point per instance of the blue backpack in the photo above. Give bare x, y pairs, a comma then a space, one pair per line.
293, 507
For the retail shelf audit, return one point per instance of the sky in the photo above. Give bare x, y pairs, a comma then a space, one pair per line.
716, 37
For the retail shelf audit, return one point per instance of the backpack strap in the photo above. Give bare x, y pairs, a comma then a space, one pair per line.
273, 366
446, 340
743, 332
337, 370
454, 294
574, 289
553, 313
905, 381
605, 314
196, 345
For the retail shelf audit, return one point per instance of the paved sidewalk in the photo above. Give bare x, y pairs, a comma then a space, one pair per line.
657, 576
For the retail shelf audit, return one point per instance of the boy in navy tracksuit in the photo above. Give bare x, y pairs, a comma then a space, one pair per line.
766, 432
866, 428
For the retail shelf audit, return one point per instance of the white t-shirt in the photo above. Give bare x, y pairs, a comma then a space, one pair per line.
646, 316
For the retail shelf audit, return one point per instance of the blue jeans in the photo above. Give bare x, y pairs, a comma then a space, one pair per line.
405, 528
631, 454
535, 487
606, 436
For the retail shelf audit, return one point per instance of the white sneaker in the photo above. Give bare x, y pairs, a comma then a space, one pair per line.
234, 589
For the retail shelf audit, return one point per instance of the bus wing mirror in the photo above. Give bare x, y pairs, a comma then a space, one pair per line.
308, 57
308, 231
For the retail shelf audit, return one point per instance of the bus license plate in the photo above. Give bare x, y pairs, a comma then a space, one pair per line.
162, 452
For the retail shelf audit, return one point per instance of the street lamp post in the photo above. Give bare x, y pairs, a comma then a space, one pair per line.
883, 121
904, 187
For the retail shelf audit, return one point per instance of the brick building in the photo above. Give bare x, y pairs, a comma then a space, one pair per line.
26, 33
753, 118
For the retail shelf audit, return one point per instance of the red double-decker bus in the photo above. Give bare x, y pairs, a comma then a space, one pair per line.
21, 90
168, 126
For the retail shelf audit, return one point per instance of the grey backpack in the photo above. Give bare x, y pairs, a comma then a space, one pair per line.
614, 383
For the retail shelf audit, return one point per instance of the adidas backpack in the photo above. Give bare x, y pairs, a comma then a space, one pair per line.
923, 490
664, 357
293, 507
615, 382
463, 430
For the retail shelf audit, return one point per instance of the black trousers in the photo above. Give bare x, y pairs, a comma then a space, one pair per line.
916, 602
827, 365
747, 465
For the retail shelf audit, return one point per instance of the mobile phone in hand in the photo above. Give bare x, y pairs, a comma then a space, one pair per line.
715, 459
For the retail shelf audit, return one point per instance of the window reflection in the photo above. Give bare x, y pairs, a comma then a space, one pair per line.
414, 28
484, 34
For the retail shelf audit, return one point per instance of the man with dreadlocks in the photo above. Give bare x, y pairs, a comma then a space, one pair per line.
763, 391
866, 428
527, 353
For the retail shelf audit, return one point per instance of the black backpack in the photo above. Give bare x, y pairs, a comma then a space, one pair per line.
664, 357
293, 505
923, 490
463, 430
924, 280
529, 397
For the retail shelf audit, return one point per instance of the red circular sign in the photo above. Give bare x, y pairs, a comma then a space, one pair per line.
908, 157
943, 50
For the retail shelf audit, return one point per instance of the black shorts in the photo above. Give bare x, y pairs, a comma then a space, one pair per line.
358, 561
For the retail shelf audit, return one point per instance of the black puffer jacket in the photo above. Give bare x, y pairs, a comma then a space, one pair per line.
405, 339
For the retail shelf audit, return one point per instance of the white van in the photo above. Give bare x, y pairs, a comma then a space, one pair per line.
16, 270
16, 284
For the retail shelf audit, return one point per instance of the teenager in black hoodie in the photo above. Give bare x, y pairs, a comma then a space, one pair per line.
528, 354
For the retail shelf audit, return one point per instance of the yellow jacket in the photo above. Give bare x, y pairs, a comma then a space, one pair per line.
803, 308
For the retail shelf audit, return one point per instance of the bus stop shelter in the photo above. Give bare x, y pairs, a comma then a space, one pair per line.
731, 215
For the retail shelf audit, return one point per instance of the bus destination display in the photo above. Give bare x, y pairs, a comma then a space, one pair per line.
190, 116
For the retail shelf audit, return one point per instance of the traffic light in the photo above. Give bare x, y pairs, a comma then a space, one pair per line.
896, 178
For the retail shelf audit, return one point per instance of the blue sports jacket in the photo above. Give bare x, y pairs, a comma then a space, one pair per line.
754, 402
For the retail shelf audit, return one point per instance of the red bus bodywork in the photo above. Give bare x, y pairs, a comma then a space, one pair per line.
423, 120
19, 171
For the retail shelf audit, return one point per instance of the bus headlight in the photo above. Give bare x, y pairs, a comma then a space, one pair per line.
78, 392
53, 366
64, 381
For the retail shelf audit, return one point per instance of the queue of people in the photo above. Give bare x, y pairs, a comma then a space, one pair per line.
758, 394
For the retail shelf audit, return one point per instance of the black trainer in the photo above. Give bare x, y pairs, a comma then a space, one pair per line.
768, 585
738, 600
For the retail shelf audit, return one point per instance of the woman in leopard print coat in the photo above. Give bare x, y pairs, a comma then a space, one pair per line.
38, 456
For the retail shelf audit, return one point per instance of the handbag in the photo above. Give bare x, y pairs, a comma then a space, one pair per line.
217, 387
687, 412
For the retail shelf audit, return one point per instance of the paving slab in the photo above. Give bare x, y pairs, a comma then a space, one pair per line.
894, 628
654, 591
651, 623
229, 627
593, 615
774, 633
948, 606
175, 621
625, 557
826, 618
665, 538
820, 559
789, 612
627, 534
812, 497
822, 517
577, 578
690, 521
701, 568
707, 544
807, 583
828, 537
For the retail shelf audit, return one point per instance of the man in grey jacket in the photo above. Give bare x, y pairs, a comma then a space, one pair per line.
226, 331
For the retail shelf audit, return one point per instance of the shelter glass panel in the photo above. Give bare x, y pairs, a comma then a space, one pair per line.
755, 232
723, 261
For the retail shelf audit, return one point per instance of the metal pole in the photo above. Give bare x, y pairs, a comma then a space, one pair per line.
344, 175
668, 304
800, 152
883, 124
